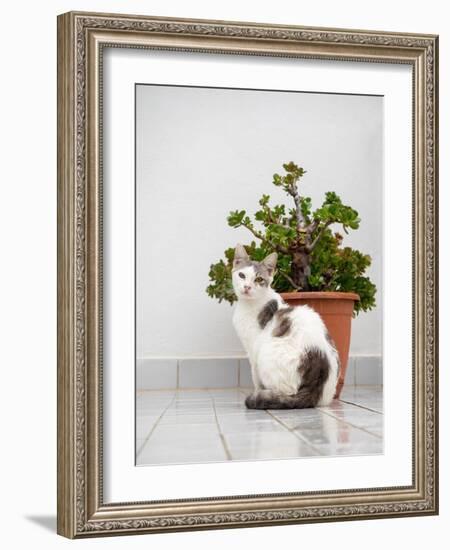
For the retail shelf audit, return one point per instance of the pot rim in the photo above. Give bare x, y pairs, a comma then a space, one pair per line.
321, 295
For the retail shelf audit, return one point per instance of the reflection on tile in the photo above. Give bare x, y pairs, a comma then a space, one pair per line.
211, 425
358, 418
297, 417
231, 424
268, 445
243, 415
331, 437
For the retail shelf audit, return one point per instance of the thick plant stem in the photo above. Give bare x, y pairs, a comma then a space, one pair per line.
301, 267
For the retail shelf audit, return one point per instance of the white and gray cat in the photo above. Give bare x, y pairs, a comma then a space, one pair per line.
293, 360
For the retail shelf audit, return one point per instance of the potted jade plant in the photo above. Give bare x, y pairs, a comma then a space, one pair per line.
314, 267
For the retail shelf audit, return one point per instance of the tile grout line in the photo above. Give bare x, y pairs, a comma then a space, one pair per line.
351, 424
295, 434
222, 437
361, 406
154, 426
244, 392
332, 416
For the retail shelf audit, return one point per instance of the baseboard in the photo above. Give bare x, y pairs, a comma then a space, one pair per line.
230, 372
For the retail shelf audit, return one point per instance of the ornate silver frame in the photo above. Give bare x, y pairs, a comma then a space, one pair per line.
81, 38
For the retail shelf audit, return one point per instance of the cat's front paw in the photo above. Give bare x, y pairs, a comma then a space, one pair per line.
250, 401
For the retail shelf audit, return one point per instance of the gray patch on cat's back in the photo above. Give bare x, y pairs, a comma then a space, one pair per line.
283, 328
314, 370
267, 313
284, 322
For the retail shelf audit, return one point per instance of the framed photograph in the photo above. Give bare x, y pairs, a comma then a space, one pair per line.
247, 274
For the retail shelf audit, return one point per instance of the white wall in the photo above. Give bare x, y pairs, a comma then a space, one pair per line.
202, 152
28, 274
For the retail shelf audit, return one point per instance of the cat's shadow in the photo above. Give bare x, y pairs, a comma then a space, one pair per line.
47, 522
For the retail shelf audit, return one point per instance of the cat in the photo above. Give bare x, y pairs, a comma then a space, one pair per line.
293, 360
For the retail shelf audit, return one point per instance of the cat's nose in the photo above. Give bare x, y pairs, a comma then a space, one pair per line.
247, 288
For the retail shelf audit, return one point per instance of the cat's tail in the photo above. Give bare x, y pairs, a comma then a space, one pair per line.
268, 399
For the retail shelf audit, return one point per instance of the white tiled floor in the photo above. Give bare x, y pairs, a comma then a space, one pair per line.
213, 425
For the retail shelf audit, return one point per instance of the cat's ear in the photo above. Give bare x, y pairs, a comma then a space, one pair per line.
270, 262
240, 257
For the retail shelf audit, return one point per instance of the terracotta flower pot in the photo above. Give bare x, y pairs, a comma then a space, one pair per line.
336, 309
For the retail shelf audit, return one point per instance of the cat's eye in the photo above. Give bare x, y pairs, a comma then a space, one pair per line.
241, 275
259, 280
